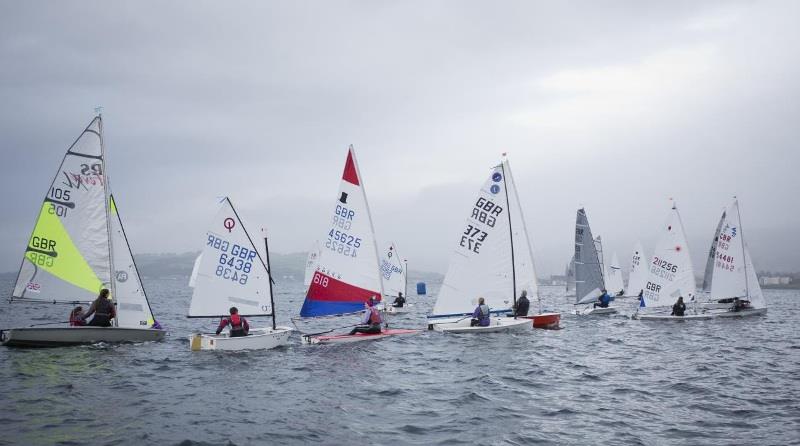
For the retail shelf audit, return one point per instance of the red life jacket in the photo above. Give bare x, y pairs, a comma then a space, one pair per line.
235, 321
374, 316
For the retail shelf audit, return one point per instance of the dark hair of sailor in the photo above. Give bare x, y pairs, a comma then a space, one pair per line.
234, 310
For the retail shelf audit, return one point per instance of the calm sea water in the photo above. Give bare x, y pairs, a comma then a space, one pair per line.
605, 380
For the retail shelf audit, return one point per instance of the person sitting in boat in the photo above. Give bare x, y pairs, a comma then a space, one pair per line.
621, 293
523, 305
239, 325
679, 308
603, 300
740, 304
76, 317
480, 317
399, 301
371, 324
102, 309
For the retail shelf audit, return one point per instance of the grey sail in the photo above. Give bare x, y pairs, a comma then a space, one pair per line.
712, 252
588, 268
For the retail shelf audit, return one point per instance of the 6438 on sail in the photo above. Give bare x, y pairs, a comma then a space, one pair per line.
78, 247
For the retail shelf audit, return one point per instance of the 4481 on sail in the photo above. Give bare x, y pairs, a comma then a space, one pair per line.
238, 259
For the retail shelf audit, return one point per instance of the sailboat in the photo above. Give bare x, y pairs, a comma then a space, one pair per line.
395, 282
614, 283
670, 274
78, 247
570, 276
734, 277
348, 271
708, 275
230, 272
589, 280
636, 277
492, 259
311, 263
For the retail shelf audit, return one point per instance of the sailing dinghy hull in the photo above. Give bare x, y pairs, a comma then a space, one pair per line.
498, 324
666, 317
341, 339
545, 320
66, 336
596, 311
257, 339
398, 310
744, 313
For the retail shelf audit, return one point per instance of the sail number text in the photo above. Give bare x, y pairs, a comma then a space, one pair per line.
235, 262
338, 240
485, 211
473, 238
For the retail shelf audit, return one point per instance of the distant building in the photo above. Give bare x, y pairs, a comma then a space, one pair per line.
774, 280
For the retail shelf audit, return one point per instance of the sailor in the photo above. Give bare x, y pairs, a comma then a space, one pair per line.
679, 308
523, 304
480, 316
740, 304
399, 301
76, 317
239, 325
603, 300
103, 310
371, 324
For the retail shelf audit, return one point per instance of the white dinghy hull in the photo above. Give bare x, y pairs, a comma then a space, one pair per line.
667, 317
498, 324
398, 310
65, 336
257, 339
596, 311
743, 313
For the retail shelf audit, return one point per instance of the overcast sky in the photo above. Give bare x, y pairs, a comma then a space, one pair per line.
616, 106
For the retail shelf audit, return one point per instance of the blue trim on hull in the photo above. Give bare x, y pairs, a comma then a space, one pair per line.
313, 308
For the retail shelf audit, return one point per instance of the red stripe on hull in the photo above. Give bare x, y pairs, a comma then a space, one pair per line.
338, 291
350, 174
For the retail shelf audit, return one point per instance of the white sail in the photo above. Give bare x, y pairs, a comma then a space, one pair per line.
588, 266
231, 271
638, 271
195, 269
311, 263
481, 264
734, 275
709, 272
133, 309
68, 257
670, 273
614, 282
393, 272
570, 277
347, 272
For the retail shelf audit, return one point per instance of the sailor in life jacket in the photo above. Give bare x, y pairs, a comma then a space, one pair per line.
371, 323
239, 325
481, 314
102, 309
76, 317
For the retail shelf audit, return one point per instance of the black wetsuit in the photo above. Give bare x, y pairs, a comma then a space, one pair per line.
678, 309
523, 305
103, 313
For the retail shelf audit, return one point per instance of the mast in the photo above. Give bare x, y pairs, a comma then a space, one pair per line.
405, 285
511, 238
269, 274
112, 272
744, 254
369, 214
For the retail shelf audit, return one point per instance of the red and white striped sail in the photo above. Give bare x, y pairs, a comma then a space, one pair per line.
347, 272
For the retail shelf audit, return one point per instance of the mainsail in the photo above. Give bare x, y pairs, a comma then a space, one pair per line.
636, 277
311, 263
492, 258
347, 273
230, 272
670, 273
588, 266
734, 275
570, 276
712, 254
68, 257
614, 282
393, 272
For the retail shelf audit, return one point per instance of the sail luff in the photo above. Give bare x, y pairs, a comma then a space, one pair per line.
107, 207
369, 216
708, 274
510, 236
528, 246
